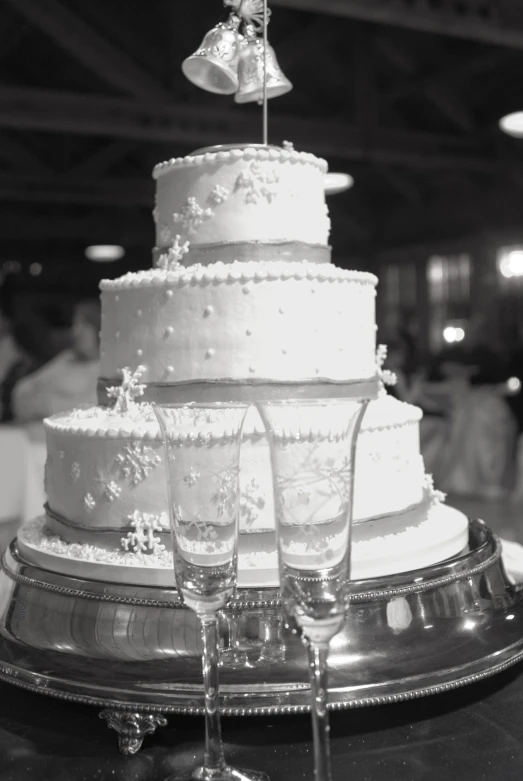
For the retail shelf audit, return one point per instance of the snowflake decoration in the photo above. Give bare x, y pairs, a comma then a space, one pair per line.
137, 461
192, 478
204, 531
252, 500
292, 497
171, 259
75, 471
142, 538
288, 146
434, 495
386, 377
89, 502
192, 215
310, 534
258, 183
219, 195
165, 234
126, 393
112, 491
226, 494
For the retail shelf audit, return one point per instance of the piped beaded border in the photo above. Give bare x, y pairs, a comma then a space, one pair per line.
141, 423
233, 155
237, 271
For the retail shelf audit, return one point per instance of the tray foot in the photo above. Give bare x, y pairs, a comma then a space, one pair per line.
132, 727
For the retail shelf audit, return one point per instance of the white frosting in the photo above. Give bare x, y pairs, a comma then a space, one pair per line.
249, 321
241, 321
378, 551
242, 195
104, 446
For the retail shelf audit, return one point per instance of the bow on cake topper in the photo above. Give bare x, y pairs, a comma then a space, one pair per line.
234, 58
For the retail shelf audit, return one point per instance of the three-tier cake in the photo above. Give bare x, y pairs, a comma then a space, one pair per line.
242, 303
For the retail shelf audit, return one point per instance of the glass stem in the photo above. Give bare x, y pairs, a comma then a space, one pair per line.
214, 757
320, 715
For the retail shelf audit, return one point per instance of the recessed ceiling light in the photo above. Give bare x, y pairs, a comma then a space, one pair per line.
104, 253
337, 183
512, 124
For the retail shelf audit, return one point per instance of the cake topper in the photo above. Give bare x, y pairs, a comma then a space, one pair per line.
234, 58
252, 11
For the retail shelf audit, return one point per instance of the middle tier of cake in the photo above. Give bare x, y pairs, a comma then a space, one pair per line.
245, 323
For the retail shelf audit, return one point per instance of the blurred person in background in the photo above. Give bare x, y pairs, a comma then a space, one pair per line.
68, 380
32, 349
9, 350
468, 433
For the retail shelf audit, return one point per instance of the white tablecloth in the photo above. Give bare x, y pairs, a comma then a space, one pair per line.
22, 461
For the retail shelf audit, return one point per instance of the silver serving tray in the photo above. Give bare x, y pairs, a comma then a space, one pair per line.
137, 649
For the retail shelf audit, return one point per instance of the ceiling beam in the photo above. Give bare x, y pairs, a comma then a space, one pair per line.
18, 155
83, 43
106, 191
415, 16
399, 183
442, 217
365, 86
439, 94
99, 226
55, 111
463, 72
103, 158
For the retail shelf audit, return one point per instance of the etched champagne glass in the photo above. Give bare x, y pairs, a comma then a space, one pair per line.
202, 458
313, 445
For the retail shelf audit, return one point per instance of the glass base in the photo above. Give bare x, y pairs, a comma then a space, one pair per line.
234, 658
219, 774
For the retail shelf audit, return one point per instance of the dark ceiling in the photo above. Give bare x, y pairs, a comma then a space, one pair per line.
403, 94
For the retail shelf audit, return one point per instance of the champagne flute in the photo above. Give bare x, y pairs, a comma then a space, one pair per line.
202, 459
313, 446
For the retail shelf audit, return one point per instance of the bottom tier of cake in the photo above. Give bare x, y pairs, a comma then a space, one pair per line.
381, 547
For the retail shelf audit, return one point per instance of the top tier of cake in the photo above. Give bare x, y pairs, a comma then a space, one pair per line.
239, 195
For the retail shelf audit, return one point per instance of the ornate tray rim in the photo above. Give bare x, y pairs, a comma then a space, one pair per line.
28, 667
446, 680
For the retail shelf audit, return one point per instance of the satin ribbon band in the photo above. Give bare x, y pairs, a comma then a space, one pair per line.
245, 251
249, 391
84, 533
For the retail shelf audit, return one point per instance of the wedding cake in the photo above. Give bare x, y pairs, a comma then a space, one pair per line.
242, 303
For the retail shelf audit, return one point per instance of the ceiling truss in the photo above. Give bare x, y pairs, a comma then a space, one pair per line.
472, 19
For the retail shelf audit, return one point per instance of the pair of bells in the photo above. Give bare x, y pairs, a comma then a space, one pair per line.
229, 63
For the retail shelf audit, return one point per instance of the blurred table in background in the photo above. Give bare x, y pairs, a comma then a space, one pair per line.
504, 517
22, 461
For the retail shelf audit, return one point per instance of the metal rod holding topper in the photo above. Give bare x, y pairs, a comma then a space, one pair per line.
235, 58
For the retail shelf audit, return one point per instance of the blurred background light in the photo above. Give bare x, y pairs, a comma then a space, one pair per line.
513, 385
453, 334
337, 183
510, 263
512, 124
104, 253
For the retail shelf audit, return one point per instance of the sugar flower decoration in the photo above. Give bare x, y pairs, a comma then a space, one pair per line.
385, 376
130, 389
171, 259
